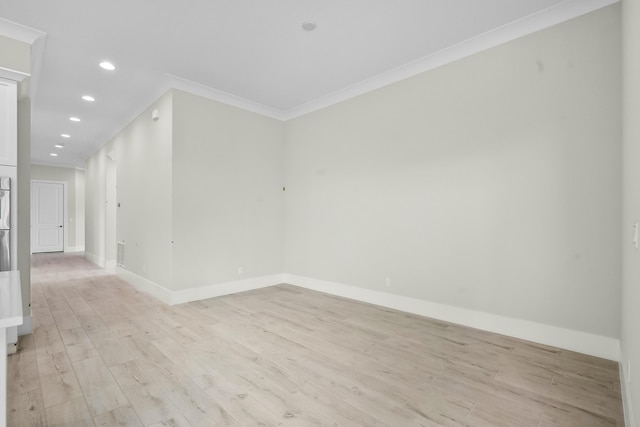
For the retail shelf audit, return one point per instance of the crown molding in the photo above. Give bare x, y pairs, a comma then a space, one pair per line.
528, 25
19, 32
538, 21
541, 20
175, 82
37, 40
13, 75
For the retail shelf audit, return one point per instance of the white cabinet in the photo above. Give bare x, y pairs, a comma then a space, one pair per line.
8, 123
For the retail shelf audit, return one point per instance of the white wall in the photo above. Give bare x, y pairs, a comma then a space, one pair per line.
227, 193
491, 183
630, 341
200, 193
79, 208
74, 225
95, 200
111, 211
142, 154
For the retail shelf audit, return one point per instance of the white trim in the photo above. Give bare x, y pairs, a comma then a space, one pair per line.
145, 285
13, 75
541, 20
19, 32
530, 24
179, 83
198, 293
170, 82
27, 35
629, 419
546, 18
79, 248
27, 326
225, 288
94, 259
582, 342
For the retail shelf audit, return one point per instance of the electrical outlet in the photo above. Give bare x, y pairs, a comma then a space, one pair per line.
240, 271
387, 281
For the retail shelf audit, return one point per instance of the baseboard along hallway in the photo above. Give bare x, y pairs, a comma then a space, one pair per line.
105, 354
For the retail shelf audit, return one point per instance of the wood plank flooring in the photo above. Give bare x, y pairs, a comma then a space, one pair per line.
104, 354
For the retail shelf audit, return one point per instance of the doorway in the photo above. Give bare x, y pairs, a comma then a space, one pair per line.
48, 216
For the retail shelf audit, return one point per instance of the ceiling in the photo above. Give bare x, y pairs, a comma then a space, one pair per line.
250, 53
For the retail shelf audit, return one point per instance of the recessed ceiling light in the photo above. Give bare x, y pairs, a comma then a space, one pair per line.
308, 25
65, 135
53, 154
88, 98
74, 119
59, 145
106, 65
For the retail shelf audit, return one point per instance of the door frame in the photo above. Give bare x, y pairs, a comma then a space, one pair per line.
65, 212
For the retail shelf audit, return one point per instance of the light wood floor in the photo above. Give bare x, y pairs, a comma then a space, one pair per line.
103, 354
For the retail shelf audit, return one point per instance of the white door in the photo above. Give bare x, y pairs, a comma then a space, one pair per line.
47, 217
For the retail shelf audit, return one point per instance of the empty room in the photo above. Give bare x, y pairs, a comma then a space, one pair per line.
320, 213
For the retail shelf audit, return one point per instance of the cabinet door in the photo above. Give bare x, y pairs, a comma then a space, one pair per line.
8, 123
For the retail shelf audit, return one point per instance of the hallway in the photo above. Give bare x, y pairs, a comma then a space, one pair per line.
104, 354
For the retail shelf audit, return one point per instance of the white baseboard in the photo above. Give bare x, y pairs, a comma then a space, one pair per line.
199, 293
145, 285
226, 288
110, 264
582, 342
629, 419
27, 326
75, 248
94, 259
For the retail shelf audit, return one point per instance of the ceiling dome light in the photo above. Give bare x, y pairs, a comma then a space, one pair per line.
308, 25
65, 135
53, 154
59, 145
74, 119
88, 98
106, 65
